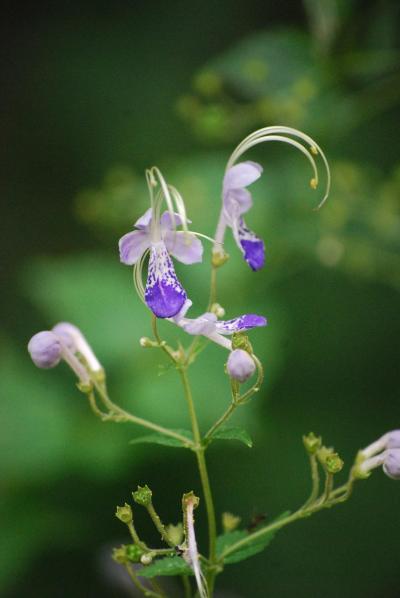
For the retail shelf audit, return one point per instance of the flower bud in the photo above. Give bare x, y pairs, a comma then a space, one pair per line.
142, 496
45, 349
391, 464
312, 443
240, 365
146, 342
393, 439
333, 463
230, 522
146, 559
175, 533
124, 513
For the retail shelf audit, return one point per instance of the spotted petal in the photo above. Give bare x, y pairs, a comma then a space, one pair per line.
164, 293
186, 247
132, 246
252, 247
245, 322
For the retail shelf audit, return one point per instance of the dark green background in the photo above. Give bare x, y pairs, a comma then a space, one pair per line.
95, 92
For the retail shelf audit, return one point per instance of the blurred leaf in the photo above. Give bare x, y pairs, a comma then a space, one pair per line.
258, 545
233, 433
158, 438
174, 565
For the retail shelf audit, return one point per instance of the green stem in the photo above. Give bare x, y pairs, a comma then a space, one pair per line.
136, 538
213, 287
314, 479
205, 482
131, 572
220, 421
159, 524
120, 415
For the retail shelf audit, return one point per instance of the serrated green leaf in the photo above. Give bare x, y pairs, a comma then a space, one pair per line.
174, 565
158, 438
233, 433
245, 552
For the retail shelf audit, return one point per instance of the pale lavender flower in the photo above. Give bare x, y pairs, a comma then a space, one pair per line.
391, 465
156, 234
47, 349
390, 440
191, 554
236, 202
216, 330
240, 365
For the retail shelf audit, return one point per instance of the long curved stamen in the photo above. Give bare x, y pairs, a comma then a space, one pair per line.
275, 133
138, 276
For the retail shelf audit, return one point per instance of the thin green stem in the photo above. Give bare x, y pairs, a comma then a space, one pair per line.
224, 417
186, 586
131, 572
213, 287
135, 537
314, 480
118, 414
162, 344
205, 482
159, 524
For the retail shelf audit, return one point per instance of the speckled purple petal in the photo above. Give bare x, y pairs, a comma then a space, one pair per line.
245, 322
253, 247
241, 175
164, 294
132, 246
186, 247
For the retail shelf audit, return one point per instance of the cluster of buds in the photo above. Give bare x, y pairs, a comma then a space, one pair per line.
383, 452
66, 342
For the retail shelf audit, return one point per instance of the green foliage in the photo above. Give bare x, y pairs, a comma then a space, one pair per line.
245, 552
158, 438
174, 565
233, 433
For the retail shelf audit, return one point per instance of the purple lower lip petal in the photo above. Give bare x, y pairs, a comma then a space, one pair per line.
254, 253
164, 293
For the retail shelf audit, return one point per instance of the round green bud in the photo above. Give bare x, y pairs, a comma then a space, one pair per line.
230, 522
133, 553
142, 496
240, 340
124, 513
219, 259
312, 443
334, 463
175, 533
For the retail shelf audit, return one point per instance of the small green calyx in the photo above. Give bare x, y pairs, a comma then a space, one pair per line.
124, 513
142, 496
175, 533
323, 453
85, 387
189, 499
127, 553
333, 463
240, 340
219, 259
312, 443
230, 522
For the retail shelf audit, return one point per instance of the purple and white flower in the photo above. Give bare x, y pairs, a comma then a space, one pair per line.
157, 235
236, 199
47, 349
216, 330
383, 452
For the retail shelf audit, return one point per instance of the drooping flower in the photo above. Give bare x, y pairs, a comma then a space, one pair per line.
383, 452
240, 365
77, 343
190, 552
47, 349
156, 234
236, 199
216, 330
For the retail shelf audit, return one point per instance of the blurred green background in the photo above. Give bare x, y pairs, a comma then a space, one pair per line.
92, 94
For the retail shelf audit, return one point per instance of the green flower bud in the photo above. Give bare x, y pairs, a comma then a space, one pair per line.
334, 463
323, 453
85, 387
312, 443
133, 553
124, 513
175, 533
230, 522
142, 496
119, 555
190, 499
147, 342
